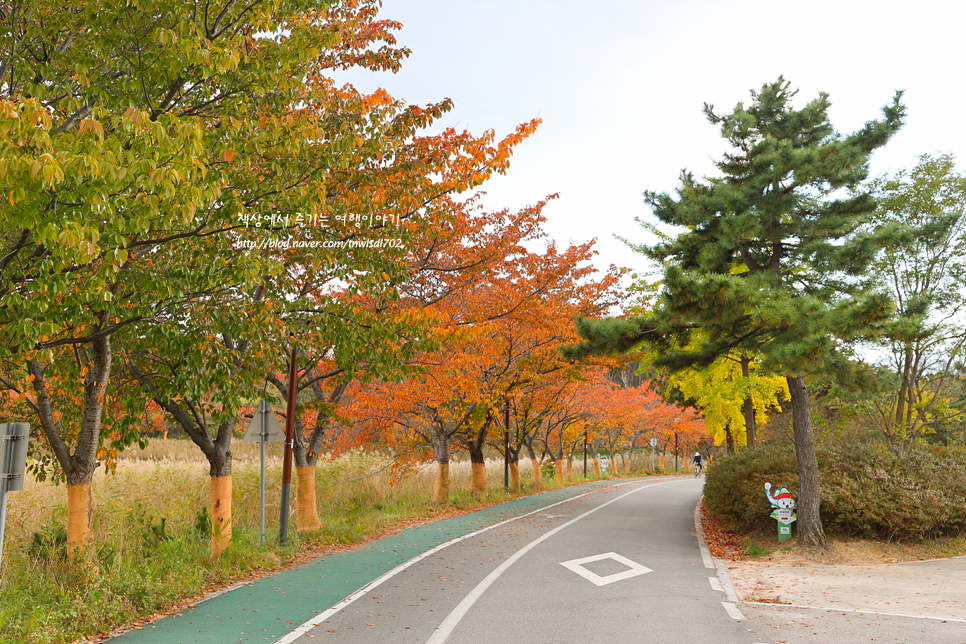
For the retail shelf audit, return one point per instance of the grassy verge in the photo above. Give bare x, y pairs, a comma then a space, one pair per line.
152, 543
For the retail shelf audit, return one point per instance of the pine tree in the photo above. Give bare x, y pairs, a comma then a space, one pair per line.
772, 257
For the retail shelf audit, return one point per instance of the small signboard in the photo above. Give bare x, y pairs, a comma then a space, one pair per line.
274, 431
13, 465
653, 442
785, 515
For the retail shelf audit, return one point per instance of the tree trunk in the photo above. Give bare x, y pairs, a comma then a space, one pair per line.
441, 451
80, 534
597, 467
537, 476
515, 476
306, 506
810, 532
478, 460
441, 486
78, 467
558, 466
903, 392
751, 428
479, 479
217, 451
220, 514
570, 469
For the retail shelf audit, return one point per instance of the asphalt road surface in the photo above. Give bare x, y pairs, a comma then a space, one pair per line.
601, 562
620, 563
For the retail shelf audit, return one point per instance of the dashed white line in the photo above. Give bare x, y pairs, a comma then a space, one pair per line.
715, 584
733, 611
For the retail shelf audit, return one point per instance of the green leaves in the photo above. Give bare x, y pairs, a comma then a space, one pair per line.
772, 214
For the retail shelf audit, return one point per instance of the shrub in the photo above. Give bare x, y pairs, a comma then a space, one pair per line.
916, 493
866, 490
734, 486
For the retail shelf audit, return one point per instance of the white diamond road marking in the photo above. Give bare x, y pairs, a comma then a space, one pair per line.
634, 568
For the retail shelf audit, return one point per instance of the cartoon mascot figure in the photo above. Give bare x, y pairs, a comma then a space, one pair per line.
782, 500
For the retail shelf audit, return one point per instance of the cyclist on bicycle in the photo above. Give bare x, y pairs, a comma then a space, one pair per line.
697, 463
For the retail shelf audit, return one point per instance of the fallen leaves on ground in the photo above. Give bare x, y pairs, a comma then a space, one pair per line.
722, 542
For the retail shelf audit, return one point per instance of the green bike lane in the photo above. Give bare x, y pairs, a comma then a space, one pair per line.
269, 608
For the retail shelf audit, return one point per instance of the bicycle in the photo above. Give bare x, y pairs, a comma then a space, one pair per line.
697, 470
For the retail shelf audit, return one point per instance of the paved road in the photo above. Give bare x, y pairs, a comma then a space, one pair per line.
620, 563
594, 563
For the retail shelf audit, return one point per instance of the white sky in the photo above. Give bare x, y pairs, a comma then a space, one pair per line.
620, 87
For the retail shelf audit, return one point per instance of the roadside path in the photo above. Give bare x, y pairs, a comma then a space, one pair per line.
267, 609
619, 563
930, 589
918, 602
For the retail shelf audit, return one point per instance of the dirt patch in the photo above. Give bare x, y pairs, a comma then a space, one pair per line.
862, 553
925, 579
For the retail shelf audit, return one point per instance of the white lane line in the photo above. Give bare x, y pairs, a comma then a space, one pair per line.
853, 610
321, 617
715, 584
219, 592
725, 580
453, 619
732, 610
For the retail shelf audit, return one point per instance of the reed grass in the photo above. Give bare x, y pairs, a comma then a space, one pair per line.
152, 551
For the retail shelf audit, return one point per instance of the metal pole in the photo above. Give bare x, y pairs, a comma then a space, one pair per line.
263, 408
287, 459
585, 454
6, 452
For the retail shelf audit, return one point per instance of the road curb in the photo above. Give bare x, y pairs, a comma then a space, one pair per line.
719, 566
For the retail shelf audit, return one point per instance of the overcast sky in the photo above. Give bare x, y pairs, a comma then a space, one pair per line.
620, 87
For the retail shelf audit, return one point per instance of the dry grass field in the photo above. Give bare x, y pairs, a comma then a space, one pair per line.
169, 479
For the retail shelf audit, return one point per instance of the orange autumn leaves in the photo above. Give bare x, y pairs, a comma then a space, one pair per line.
499, 313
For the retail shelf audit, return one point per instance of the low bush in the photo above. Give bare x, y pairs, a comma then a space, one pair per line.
867, 491
734, 486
